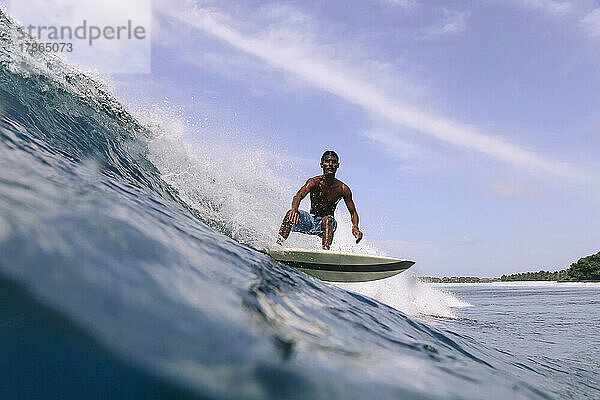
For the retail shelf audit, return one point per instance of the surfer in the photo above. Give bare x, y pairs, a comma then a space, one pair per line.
325, 192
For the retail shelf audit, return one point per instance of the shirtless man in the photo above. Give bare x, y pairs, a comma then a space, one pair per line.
325, 192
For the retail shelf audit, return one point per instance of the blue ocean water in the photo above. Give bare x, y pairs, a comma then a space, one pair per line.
129, 268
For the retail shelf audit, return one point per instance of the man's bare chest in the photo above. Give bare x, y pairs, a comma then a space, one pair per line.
326, 194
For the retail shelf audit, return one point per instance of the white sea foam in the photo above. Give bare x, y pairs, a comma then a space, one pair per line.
236, 185
406, 293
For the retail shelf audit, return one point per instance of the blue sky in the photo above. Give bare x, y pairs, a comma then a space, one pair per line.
467, 130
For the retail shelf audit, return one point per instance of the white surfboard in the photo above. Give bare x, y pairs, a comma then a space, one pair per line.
336, 266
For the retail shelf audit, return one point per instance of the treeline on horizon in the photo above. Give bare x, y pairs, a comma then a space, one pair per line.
585, 269
536, 276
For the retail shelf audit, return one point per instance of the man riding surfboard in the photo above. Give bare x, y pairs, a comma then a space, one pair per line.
325, 193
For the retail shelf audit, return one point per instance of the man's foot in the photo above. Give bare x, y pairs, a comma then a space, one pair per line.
280, 240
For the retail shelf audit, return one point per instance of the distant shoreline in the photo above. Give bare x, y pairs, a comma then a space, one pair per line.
586, 269
474, 279
458, 279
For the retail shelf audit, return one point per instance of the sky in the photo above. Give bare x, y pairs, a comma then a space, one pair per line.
467, 130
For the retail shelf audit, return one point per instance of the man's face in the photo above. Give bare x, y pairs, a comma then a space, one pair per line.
330, 165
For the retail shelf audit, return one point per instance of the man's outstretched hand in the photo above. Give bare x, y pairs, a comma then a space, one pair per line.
294, 217
357, 233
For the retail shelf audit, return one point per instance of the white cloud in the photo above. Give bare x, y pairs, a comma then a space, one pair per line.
339, 79
403, 3
393, 145
283, 25
466, 240
453, 22
581, 12
591, 22
411, 156
549, 6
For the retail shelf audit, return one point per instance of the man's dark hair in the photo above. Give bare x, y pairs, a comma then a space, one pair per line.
330, 153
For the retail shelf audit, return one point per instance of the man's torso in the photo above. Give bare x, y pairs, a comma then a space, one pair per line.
325, 196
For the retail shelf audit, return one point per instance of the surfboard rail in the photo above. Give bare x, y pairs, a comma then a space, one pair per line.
335, 266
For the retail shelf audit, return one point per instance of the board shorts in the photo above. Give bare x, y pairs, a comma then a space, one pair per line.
310, 224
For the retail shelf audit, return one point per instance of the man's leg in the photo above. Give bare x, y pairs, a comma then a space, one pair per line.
327, 227
286, 227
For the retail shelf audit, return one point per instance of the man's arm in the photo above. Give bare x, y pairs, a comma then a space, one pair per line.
304, 190
353, 214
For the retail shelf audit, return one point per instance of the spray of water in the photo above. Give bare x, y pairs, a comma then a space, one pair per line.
236, 186
405, 292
